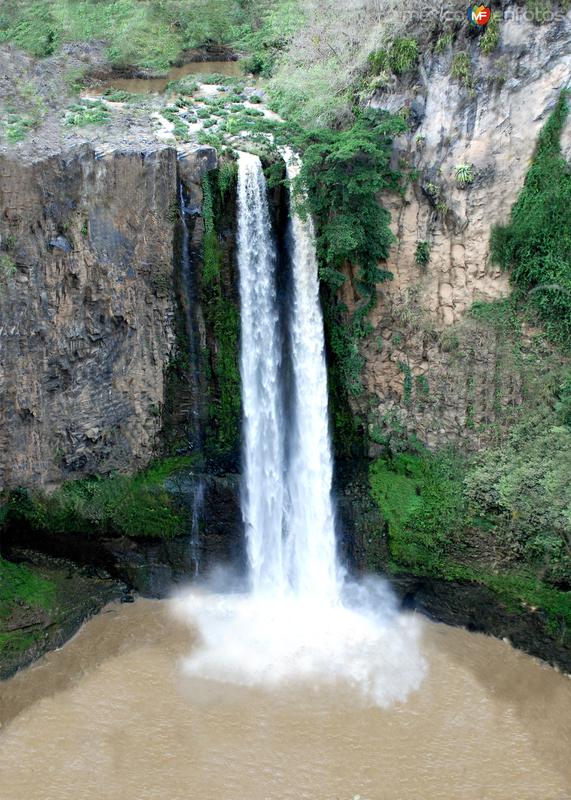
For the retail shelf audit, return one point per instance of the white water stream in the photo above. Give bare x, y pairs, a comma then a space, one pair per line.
301, 620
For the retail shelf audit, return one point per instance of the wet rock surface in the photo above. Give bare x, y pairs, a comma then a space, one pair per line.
79, 593
462, 603
476, 608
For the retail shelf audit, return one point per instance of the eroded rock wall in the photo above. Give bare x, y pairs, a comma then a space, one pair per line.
86, 309
428, 366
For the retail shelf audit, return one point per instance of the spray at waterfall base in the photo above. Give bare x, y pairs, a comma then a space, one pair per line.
300, 621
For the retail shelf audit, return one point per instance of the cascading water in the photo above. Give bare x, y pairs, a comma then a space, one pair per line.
196, 518
262, 494
301, 620
310, 523
291, 537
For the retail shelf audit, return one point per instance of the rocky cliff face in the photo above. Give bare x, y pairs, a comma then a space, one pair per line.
430, 368
86, 308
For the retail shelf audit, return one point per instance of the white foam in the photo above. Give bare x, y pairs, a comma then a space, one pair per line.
271, 640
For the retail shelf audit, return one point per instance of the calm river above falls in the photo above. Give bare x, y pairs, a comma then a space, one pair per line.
113, 715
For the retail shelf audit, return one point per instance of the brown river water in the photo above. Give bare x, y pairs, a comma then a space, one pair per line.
112, 716
150, 85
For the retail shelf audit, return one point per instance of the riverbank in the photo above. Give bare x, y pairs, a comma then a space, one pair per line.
44, 601
152, 566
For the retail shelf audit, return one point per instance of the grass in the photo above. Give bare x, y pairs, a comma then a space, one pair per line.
87, 112
132, 505
20, 585
21, 588
17, 641
433, 530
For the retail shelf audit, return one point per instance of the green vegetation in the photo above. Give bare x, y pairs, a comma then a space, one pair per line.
121, 96
464, 175
268, 33
491, 36
341, 176
23, 112
443, 43
87, 112
400, 57
21, 589
180, 128
133, 505
536, 243
462, 69
21, 585
221, 313
422, 254
17, 127
439, 526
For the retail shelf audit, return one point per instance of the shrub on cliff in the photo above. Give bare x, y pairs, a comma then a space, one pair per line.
146, 33
133, 505
342, 174
535, 245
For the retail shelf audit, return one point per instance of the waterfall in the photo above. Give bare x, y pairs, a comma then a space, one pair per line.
302, 619
309, 520
196, 518
286, 503
262, 493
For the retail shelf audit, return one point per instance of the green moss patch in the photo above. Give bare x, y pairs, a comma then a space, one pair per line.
130, 505
20, 585
221, 313
436, 530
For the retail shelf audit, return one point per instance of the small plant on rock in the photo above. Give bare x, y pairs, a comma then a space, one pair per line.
462, 69
422, 254
491, 36
88, 112
432, 190
403, 55
17, 127
7, 266
400, 57
464, 175
443, 43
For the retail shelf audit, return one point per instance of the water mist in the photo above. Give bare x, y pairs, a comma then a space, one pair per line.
300, 620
